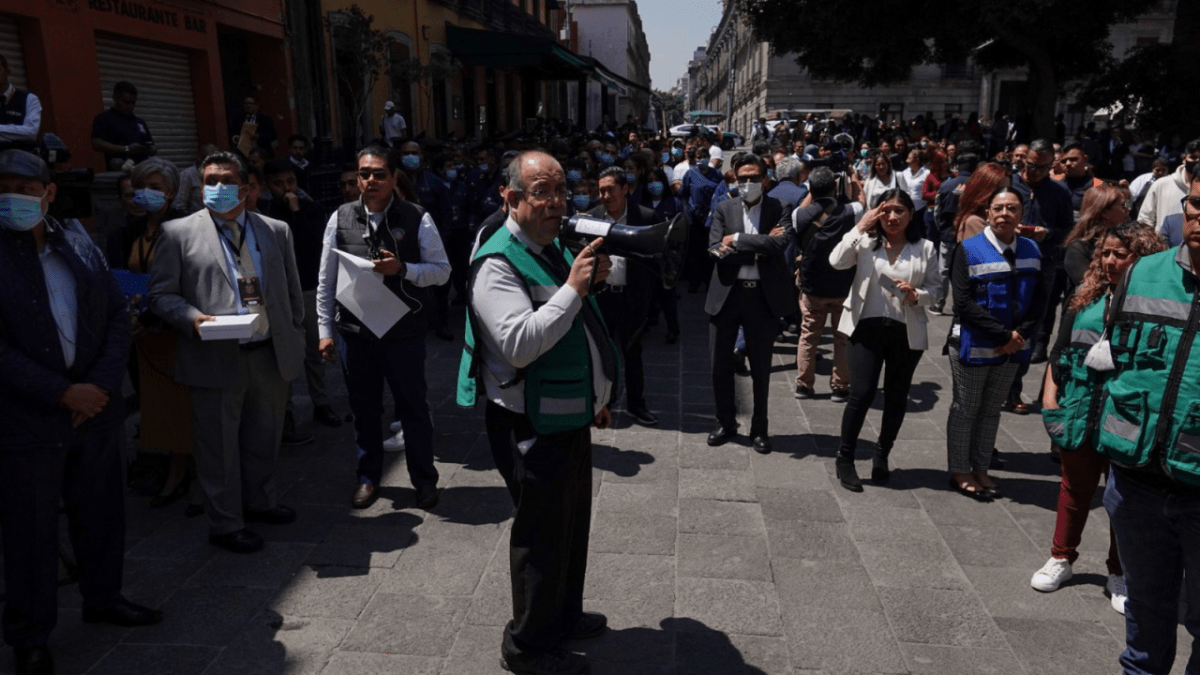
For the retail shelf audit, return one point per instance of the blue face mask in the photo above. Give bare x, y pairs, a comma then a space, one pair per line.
573, 176
630, 178
411, 162
606, 159
581, 201
677, 152
221, 198
655, 188
20, 212
666, 157
450, 174
149, 200
484, 168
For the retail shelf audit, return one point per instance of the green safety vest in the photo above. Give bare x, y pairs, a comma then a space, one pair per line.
559, 393
1152, 409
1073, 424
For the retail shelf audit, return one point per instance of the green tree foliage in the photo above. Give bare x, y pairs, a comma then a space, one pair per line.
1156, 86
673, 106
878, 42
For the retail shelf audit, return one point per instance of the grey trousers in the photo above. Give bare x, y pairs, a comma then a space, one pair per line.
314, 365
974, 421
237, 440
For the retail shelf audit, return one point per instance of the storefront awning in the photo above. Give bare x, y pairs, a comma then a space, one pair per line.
494, 49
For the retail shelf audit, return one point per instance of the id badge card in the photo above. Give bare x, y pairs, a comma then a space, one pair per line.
250, 291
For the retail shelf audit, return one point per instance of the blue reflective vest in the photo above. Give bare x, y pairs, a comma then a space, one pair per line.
1004, 290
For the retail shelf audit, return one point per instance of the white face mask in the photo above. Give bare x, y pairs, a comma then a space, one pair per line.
750, 191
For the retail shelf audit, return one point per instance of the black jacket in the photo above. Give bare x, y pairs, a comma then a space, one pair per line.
817, 277
33, 370
308, 232
777, 285
641, 277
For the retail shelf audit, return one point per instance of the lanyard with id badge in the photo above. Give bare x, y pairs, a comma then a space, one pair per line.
249, 285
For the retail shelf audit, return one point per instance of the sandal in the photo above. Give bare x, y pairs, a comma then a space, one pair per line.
976, 494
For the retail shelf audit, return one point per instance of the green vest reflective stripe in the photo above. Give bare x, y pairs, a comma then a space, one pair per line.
1152, 409
559, 393
1073, 424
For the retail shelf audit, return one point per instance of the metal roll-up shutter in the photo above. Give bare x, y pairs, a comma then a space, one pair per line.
163, 78
10, 47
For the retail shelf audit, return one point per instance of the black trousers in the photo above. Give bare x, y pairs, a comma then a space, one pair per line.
877, 343
503, 428
87, 477
665, 300
458, 251
626, 323
549, 541
745, 308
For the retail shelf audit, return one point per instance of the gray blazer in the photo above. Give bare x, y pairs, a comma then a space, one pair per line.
189, 278
762, 250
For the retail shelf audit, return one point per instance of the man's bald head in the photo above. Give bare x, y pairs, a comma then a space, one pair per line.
537, 195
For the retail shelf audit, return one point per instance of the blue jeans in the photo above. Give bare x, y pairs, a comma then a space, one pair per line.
1158, 539
368, 362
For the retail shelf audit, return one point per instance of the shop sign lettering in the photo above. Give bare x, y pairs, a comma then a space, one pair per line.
150, 14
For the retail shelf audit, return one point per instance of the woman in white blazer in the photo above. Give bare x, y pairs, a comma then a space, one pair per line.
884, 317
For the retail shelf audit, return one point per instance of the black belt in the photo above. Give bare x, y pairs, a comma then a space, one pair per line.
748, 283
252, 346
616, 289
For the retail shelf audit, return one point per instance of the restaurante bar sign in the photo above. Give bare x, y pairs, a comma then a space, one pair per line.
159, 16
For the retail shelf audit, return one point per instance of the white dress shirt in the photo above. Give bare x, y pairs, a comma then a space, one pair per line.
27, 131
751, 216
433, 270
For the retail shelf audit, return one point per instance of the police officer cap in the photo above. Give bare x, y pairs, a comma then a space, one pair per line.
23, 165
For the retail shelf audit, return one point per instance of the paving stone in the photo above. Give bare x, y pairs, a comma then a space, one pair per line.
203, 617
172, 659
275, 645
714, 653
912, 564
728, 457
723, 556
883, 524
634, 533
476, 651
811, 541
636, 466
638, 645
271, 567
362, 545
819, 583
841, 641
1006, 593
940, 617
941, 660
339, 592
352, 663
651, 611
492, 603
993, 546
1057, 647
418, 625
652, 498
730, 605
783, 471
710, 516
76, 646
806, 505
183, 538
723, 484
626, 576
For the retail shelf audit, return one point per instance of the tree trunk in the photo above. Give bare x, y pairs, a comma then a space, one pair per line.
1042, 98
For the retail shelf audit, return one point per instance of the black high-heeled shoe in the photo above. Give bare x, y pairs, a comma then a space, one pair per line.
880, 473
847, 475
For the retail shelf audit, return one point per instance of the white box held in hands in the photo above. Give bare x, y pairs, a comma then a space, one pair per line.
236, 327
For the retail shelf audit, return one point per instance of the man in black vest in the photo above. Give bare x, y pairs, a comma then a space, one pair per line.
402, 241
631, 286
20, 114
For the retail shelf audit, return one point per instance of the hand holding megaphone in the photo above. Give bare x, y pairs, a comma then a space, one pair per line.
590, 268
662, 245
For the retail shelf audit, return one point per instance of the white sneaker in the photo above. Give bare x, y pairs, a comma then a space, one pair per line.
395, 443
1116, 589
1052, 575
394, 426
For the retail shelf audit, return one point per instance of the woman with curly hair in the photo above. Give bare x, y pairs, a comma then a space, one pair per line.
1104, 207
1071, 393
972, 206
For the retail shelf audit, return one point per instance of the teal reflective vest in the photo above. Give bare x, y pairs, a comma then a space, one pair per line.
1073, 424
559, 394
1005, 291
1152, 409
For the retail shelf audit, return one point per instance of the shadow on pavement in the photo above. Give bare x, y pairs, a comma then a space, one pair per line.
697, 649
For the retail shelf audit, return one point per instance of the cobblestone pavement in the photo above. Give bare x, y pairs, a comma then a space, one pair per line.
706, 560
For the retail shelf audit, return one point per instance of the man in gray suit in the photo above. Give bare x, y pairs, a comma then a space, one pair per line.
226, 261
750, 288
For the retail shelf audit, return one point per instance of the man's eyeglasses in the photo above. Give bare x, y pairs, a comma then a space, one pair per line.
1038, 168
377, 174
543, 196
1191, 202
749, 179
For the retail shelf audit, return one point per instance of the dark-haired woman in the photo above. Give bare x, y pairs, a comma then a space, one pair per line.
1070, 397
998, 302
896, 277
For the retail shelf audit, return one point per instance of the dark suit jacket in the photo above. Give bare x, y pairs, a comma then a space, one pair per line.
640, 277
762, 250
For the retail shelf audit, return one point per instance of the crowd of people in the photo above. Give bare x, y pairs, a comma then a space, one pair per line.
866, 226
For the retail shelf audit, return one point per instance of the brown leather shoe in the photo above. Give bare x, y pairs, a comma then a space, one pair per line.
364, 496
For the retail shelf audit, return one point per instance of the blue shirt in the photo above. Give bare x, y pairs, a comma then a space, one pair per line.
788, 192
60, 285
228, 245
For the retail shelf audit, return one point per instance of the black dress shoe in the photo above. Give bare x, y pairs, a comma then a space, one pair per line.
33, 660
762, 444
721, 436
277, 515
589, 625
241, 541
739, 364
642, 415
160, 501
848, 475
364, 496
554, 662
325, 415
427, 496
122, 613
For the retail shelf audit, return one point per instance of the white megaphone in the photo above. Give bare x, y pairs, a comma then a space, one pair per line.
664, 244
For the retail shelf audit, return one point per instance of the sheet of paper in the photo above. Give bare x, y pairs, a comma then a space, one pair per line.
233, 327
361, 291
889, 285
246, 140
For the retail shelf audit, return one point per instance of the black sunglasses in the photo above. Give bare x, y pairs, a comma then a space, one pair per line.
378, 174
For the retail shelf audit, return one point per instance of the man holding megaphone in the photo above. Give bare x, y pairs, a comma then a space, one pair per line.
631, 286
